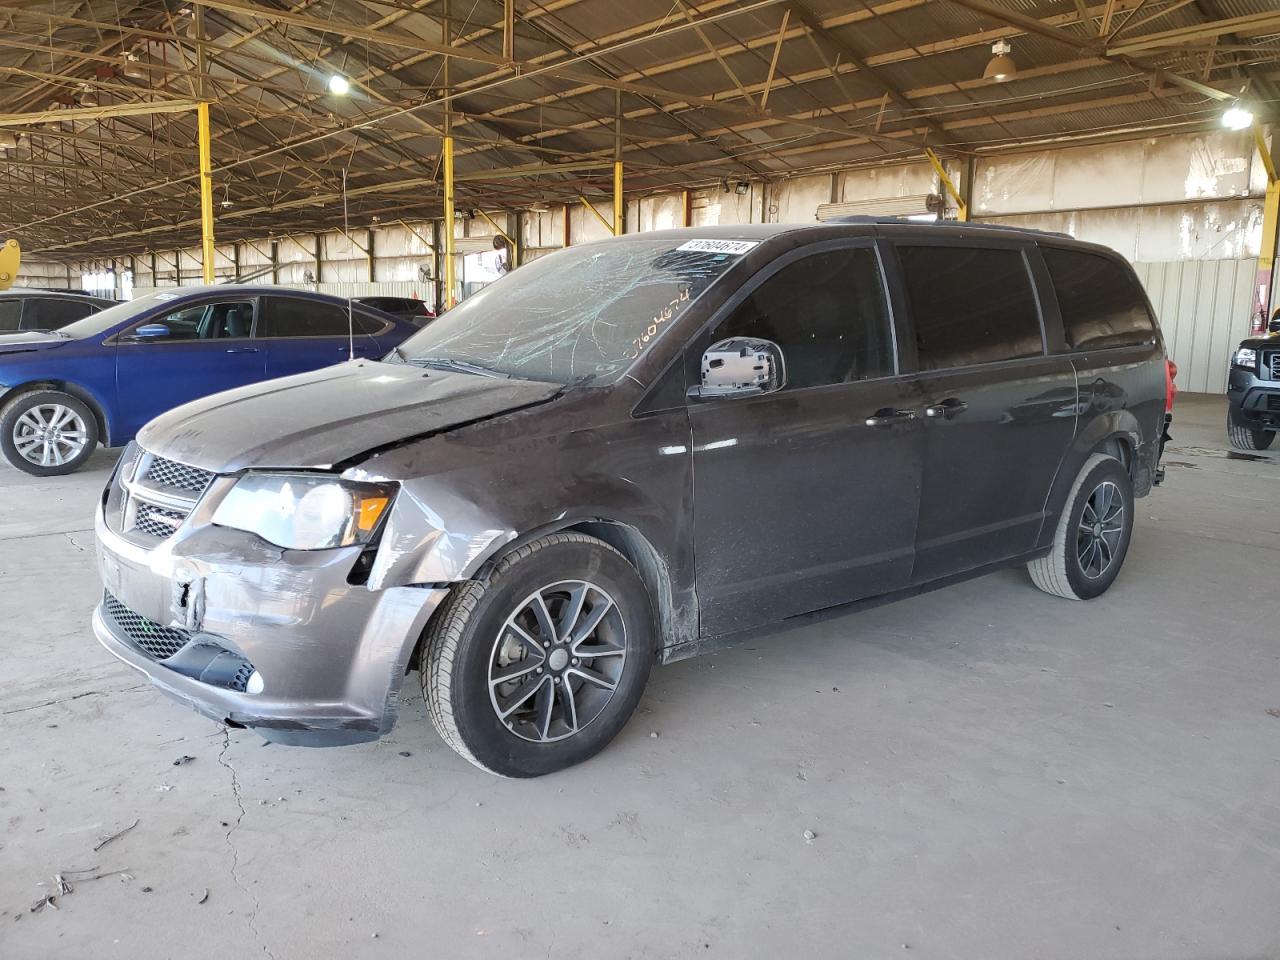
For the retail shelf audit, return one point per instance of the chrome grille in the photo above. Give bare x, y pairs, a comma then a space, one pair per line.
154, 496
1273, 363
178, 476
160, 643
157, 521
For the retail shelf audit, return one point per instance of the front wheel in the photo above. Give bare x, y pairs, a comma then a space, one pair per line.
1246, 438
538, 667
48, 433
1093, 533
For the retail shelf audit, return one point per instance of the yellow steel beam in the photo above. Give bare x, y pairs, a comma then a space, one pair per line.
450, 269
596, 213
10, 259
95, 113
206, 192
511, 241
962, 211
1261, 143
409, 227
617, 198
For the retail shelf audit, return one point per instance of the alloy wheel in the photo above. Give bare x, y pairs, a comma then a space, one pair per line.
557, 661
1101, 529
50, 435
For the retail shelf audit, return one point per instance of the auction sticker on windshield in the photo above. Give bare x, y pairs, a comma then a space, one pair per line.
734, 248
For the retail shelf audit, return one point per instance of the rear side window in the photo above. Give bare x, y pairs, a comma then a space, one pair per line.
828, 314
10, 314
1101, 302
970, 305
49, 313
285, 317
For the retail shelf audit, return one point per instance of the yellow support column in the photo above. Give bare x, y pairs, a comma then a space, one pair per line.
617, 198
206, 191
449, 266
1270, 231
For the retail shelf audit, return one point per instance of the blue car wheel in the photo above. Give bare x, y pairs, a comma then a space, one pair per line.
48, 433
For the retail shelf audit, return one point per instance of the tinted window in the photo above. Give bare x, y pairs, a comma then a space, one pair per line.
10, 314
827, 312
970, 305
49, 313
1101, 302
283, 317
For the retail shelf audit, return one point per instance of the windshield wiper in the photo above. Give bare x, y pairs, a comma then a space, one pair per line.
458, 366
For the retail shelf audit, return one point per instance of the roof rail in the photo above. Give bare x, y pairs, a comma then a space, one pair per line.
969, 224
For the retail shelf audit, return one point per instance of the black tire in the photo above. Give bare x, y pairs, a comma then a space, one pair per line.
471, 636
1247, 438
15, 423
1063, 572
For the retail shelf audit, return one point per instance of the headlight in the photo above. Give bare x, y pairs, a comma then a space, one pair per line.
1245, 357
301, 511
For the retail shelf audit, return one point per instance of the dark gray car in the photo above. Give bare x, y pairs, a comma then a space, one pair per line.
628, 452
23, 308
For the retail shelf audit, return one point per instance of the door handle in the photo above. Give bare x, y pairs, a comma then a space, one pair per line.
946, 409
242, 349
888, 416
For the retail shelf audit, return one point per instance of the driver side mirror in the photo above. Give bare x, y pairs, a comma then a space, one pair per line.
1274, 326
150, 331
741, 367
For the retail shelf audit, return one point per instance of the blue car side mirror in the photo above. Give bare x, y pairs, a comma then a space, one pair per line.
151, 331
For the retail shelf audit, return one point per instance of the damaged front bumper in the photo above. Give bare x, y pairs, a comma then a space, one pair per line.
254, 636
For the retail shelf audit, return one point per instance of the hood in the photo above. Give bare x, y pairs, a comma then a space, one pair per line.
30, 340
328, 416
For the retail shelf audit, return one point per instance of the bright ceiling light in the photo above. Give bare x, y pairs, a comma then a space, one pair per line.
1236, 117
339, 85
1001, 67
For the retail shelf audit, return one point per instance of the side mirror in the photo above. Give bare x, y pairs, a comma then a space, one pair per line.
150, 331
1274, 326
741, 367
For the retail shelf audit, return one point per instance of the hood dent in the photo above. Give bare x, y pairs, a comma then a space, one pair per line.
333, 418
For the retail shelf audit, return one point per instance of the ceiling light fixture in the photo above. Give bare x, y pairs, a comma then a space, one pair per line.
339, 85
1237, 117
133, 68
1001, 66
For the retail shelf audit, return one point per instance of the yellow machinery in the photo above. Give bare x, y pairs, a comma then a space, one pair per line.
10, 257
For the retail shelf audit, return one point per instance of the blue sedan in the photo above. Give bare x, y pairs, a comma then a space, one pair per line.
100, 379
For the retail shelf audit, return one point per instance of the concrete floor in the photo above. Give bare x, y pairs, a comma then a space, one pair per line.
990, 772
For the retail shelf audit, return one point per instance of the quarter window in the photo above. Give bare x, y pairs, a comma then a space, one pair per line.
284, 317
970, 305
1101, 302
829, 315
10, 313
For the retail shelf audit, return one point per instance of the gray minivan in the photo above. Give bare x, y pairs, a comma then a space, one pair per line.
634, 451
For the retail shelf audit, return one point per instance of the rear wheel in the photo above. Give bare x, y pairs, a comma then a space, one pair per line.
539, 667
47, 433
1093, 533
1246, 438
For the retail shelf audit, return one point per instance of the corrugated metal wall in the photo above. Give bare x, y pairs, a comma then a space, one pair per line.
1204, 308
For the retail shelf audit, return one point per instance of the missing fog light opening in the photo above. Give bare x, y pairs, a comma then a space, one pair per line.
339, 85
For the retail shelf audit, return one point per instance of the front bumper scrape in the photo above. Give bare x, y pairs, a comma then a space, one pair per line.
331, 655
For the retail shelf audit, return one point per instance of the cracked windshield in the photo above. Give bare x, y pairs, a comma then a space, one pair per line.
577, 316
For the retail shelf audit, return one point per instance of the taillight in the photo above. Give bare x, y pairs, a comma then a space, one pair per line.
1170, 388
